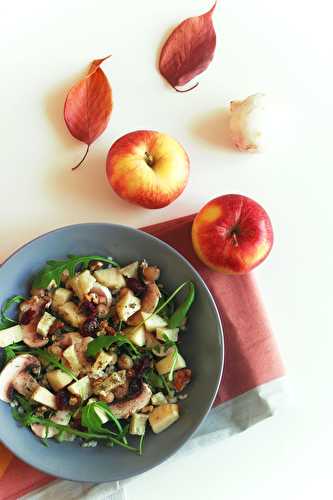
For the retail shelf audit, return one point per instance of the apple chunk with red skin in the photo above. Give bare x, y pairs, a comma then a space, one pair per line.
147, 168
232, 234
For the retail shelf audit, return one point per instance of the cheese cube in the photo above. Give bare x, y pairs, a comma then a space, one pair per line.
81, 388
170, 333
131, 270
163, 416
158, 399
111, 382
111, 278
71, 314
60, 297
58, 379
153, 321
45, 324
82, 283
137, 335
138, 424
102, 361
11, 335
127, 305
44, 397
72, 358
164, 365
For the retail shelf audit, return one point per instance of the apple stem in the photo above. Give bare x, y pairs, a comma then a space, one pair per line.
149, 159
234, 237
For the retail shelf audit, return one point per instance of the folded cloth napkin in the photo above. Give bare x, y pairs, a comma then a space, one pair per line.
252, 386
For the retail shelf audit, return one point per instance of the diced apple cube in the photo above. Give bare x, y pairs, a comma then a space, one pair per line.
81, 388
71, 314
71, 356
45, 324
58, 379
60, 297
131, 270
137, 335
111, 278
102, 361
158, 399
11, 335
127, 305
138, 424
170, 333
44, 397
163, 416
165, 365
153, 321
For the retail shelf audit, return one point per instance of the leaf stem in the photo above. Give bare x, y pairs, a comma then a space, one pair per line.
84, 157
187, 90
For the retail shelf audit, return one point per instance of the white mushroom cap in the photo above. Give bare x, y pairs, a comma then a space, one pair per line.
30, 335
102, 291
12, 370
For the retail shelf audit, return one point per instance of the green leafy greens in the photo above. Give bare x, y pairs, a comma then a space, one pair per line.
178, 316
105, 341
53, 360
54, 268
5, 320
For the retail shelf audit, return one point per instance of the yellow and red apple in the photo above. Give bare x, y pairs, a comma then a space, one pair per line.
147, 168
232, 234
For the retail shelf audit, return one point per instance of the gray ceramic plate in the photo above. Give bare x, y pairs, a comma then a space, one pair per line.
202, 348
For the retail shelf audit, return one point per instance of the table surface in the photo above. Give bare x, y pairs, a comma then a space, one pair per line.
283, 49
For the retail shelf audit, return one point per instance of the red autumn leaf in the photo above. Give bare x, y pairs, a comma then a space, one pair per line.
189, 50
88, 106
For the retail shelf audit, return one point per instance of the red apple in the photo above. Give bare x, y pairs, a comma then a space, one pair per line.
147, 168
232, 234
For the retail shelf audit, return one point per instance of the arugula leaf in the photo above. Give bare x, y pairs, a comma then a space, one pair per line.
53, 360
141, 444
105, 341
12, 349
6, 321
54, 268
153, 379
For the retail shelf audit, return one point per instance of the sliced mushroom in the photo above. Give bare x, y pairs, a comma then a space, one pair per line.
61, 417
124, 409
25, 384
103, 293
12, 370
68, 339
150, 299
150, 274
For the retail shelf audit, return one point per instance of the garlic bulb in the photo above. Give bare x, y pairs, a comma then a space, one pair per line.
247, 122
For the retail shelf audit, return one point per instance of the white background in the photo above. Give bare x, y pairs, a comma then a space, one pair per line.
283, 49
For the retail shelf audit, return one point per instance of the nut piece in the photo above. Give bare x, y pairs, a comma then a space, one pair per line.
121, 391
125, 362
151, 274
150, 299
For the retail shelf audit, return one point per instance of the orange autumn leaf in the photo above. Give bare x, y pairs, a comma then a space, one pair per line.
88, 106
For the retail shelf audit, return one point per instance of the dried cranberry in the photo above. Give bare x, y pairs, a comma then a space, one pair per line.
27, 317
141, 366
135, 387
62, 400
136, 286
88, 308
90, 327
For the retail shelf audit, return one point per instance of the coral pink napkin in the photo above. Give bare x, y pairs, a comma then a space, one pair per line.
251, 355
